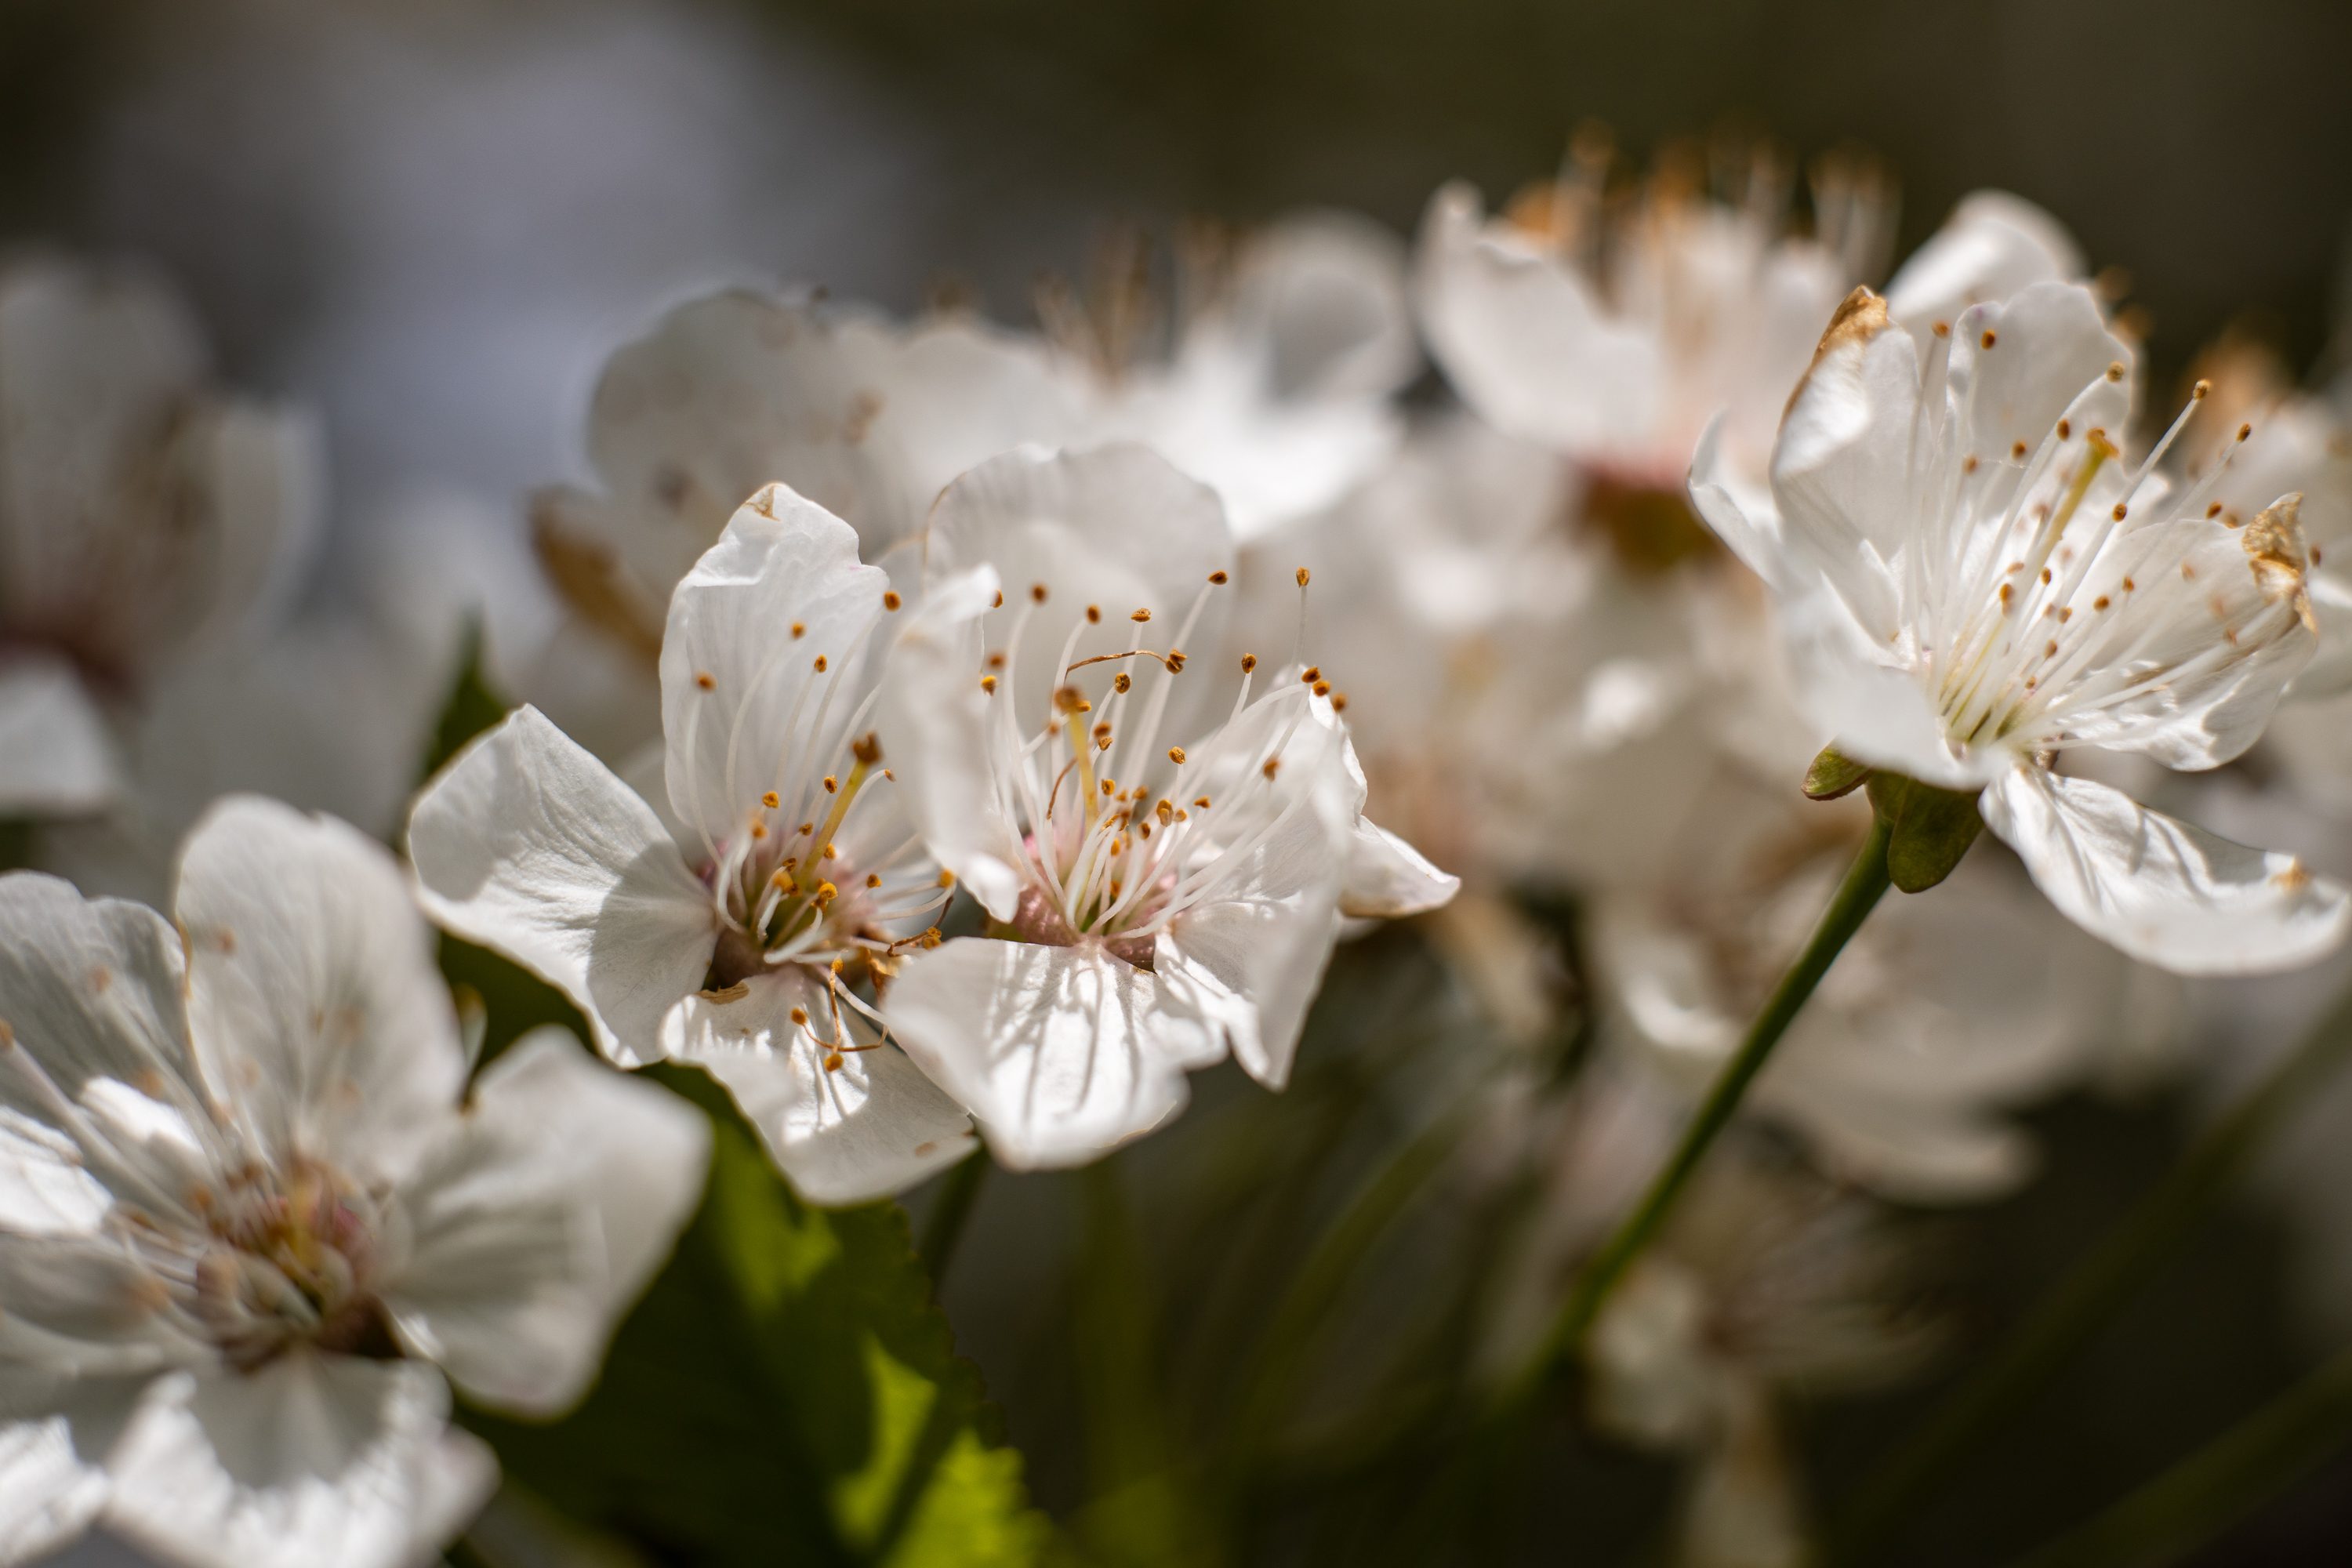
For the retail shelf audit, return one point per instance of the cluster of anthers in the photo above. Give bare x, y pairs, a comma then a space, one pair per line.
2067, 614
1119, 862
808, 879
285, 1256
246, 1263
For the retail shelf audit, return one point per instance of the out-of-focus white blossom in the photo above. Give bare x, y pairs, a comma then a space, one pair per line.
1940, 1014
1164, 859
723, 930
247, 1224
146, 519
1972, 579
1276, 389
1767, 1282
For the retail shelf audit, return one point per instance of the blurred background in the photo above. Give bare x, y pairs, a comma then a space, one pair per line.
432, 220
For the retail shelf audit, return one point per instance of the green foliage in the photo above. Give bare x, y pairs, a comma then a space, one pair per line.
786, 1391
1929, 828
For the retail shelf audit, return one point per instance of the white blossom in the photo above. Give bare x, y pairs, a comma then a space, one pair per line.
1163, 857
247, 1224
732, 924
1973, 580
1275, 389
145, 518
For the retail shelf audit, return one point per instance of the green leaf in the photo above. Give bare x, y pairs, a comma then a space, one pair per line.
1929, 828
1833, 774
786, 1391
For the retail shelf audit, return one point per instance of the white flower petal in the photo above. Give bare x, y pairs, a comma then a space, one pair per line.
1388, 878
539, 1219
2049, 342
1267, 933
1525, 339
90, 994
870, 1128
53, 1479
772, 621
95, 363
1842, 467
56, 757
2158, 890
256, 477
1062, 1053
1740, 513
306, 1460
866, 418
314, 997
934, 717
530, 845
1325, 293
1118, 527
1993, 245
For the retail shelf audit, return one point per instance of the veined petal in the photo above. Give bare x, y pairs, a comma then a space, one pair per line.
1388, 878
1116, 524
1842, 470
530, 846
1993, 245
869, 1127
774, 621
935, 716
90, 1003
2021, 362
306, 1460
1062, 1053
56, 757
2160, 890
539, 1219
1740, 513
1266, 932
1875, 713
1525, 338
314, 997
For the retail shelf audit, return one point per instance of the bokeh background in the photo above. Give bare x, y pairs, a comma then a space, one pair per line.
432, 219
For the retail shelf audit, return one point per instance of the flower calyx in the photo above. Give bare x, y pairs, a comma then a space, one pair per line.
1929, 828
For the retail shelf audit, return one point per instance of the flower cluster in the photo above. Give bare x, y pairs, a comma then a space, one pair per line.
953, 739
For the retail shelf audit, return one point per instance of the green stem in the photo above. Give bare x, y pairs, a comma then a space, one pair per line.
1865, 881
2227, 1480
2087, 1297
943, 1227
